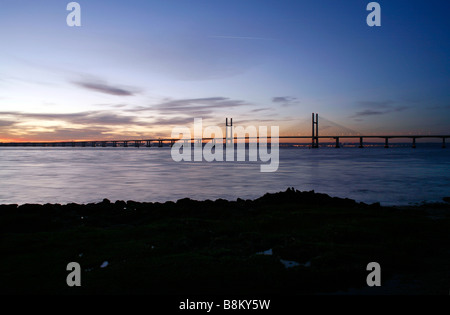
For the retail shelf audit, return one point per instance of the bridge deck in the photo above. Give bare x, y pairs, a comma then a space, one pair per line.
161, 140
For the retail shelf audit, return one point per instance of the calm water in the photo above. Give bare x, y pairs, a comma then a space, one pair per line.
82, 175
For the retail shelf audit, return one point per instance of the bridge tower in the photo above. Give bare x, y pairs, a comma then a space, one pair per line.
315, 131
229, 131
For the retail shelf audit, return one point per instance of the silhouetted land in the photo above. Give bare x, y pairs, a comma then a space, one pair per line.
210, 247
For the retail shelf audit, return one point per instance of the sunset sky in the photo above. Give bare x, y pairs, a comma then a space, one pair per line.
138, 68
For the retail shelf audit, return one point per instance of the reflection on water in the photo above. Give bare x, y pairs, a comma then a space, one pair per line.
82, 175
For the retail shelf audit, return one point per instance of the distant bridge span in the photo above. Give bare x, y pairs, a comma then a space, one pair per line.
230, 135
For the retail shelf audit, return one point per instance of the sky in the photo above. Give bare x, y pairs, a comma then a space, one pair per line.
136, 69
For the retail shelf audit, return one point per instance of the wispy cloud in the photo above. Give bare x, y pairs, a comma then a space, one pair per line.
374, 108
257, 110
122, 121
105, 88
195, 106
376, 104
368, 112
91, 133
285, 100
174, 121
6, 123
81, 118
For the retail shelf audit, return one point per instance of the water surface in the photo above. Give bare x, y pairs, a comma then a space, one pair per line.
394, 176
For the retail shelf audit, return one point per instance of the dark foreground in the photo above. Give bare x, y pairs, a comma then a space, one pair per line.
214, 247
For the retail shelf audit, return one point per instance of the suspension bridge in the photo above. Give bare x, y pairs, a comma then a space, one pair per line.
340, 132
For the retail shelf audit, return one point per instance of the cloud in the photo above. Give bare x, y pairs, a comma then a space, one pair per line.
70, 134
145, 121
400, 108
94, 125
81, 118
376, 104
109, 105
368, 112
178, 121
284, 100
105, 88
257, 110
86, 125
281, 99
375, 108
195, 106
6, 123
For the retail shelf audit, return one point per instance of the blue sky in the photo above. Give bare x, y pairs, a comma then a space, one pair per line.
138, 68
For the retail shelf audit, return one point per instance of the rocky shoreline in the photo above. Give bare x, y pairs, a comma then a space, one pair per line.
290, 242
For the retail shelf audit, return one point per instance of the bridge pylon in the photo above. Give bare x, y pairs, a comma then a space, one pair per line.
315, 131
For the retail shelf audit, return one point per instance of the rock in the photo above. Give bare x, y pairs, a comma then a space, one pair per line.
289, 263
120, 204
266, 252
